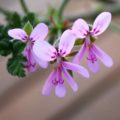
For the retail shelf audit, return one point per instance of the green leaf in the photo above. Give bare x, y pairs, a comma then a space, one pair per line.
5, 48
3, 32
14, 20
28, 28
18, 47
79, 42
31, 17
15, 66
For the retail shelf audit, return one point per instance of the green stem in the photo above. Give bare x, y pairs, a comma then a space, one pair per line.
62, 7
24, 6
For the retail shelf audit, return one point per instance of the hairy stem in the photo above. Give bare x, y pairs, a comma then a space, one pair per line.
24, 6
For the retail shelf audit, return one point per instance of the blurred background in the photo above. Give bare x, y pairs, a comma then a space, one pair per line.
97, 98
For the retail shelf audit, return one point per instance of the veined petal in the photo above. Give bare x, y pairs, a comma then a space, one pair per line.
80, 28
60, 90
48, 84
31, 68
76, 68
42, 63
31, 63
94, 67
44, 51
106, 59
67, 41
101, 23
92, 61
70, 80
79, 55
39, 32
18, 34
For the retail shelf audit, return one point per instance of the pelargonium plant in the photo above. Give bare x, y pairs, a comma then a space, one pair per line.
32, 43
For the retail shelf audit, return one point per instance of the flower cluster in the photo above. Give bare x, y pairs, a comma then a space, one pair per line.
39, 52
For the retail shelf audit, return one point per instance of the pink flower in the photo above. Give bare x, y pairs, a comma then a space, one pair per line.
82, 30
39, 33
43, 50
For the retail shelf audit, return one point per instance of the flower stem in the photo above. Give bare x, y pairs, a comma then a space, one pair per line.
62, 7
24, 6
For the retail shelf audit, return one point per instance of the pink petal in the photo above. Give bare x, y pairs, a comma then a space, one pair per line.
60, 90
70, 80
106, 59
67, 41
76, 68
79, 55
101, 23
31, 68
39, 32
92, 61
48, 84
18, 34
80, 28
44, 51
43, 64
94, 67
31, 63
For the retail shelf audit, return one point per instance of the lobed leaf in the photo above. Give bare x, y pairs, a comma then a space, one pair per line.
15, 66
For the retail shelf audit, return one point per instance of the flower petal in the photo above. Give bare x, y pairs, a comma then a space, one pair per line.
48, 84
31, 68
44, 51
79, 55
92, 60
106, 59
39, 32
60, 90
31, 63
76, 68
94, 67
42, 63
70, 80
80, 28
67, 41
18, 34
101, 23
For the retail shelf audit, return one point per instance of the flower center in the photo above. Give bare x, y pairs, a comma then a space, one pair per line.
30, 42
25, 37
58, 55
